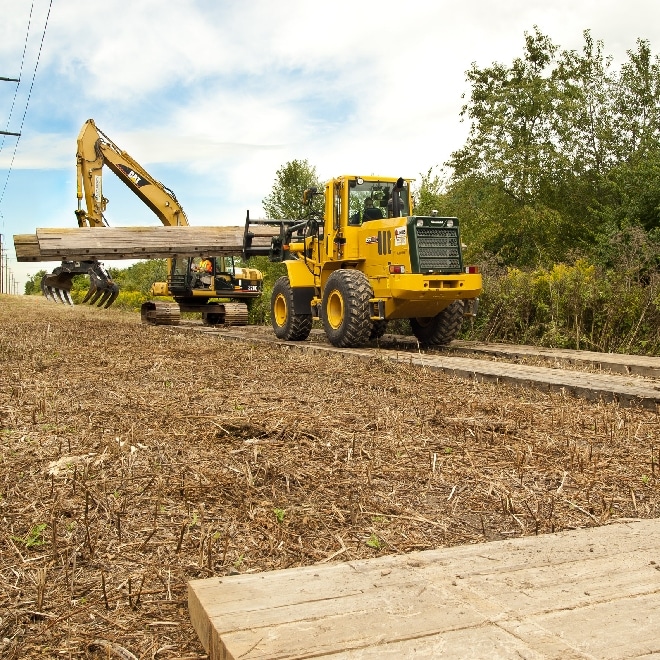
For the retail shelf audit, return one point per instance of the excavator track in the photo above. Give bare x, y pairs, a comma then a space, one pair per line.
236, 314
155, 312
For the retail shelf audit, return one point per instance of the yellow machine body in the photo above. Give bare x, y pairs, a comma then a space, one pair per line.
411, 267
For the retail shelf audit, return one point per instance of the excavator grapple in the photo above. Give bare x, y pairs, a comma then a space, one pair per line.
56, 286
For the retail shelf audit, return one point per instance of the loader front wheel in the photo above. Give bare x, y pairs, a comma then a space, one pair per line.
440, 329
287, 325
346, 315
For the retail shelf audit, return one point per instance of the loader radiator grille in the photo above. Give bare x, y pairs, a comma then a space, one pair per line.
438, 249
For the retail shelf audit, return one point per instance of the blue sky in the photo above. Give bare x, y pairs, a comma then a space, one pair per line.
213, 96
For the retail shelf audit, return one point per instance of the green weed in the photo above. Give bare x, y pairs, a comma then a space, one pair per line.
374, 542
34, 537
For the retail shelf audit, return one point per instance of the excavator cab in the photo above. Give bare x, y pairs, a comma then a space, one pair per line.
189, 277
198, 290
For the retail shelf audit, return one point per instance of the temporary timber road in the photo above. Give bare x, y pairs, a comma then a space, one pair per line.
586, 593
581, 594
630, 380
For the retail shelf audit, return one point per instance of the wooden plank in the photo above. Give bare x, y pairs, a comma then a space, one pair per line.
108, 243
26, 247
516, 598
640, 365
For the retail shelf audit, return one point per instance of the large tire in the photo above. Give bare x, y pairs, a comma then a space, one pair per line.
286, 324
346, 315
441, 328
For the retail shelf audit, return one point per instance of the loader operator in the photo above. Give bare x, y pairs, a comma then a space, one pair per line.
370, 212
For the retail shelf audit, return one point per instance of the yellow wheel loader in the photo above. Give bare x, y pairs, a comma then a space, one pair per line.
361, 258
192, 289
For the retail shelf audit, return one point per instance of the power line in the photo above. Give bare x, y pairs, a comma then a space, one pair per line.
27, 102
20, 73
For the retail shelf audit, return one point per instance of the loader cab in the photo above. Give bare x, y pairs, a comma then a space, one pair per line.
370, 199
224, 273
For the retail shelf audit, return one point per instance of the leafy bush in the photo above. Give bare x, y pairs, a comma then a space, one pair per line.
579, 306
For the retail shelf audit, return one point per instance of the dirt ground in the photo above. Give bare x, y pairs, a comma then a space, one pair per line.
135, 458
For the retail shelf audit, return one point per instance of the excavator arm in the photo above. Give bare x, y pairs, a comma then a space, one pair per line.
94, 151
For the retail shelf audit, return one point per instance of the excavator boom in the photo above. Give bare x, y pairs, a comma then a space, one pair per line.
95, 150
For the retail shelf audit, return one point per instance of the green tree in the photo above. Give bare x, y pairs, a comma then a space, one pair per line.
33, 284
509, 168
633, 183
284, 201
285, 198
140, 276
637, 104
511, 129
561, 151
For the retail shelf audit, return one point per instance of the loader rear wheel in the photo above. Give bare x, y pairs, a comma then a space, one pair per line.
440, 329
346, 315
286, 324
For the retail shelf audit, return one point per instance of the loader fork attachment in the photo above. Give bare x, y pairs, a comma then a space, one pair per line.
56, 286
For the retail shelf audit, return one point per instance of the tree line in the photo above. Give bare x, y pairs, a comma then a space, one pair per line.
562, 156
558, 191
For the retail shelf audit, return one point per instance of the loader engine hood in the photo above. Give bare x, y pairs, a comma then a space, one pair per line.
435, 245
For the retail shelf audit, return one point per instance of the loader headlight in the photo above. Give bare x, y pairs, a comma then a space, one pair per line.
420, 222
450, 223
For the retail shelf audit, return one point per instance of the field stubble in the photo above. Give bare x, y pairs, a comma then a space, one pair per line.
135, 458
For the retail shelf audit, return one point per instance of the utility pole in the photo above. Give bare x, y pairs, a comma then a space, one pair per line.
17, 80
3, 288
5, 279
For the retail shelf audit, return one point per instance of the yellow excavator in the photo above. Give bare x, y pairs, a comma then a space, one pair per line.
193, 290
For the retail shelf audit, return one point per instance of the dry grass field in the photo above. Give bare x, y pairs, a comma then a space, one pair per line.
135, 458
